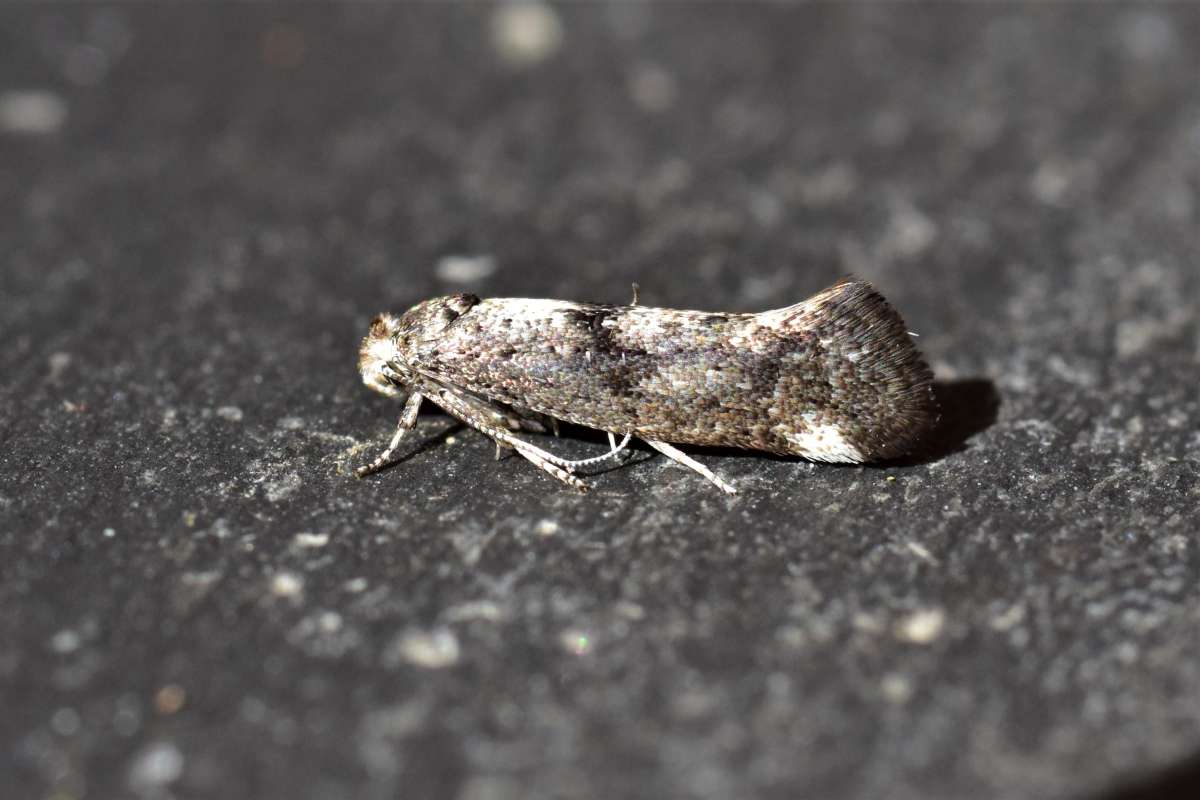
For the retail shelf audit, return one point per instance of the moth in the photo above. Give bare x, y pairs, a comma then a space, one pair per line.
834, 378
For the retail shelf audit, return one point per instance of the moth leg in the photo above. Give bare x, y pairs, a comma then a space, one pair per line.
502, 437
612, 444
459, 407
408, 418
635, 294
538, 458
616, 451
512, 418
683, 458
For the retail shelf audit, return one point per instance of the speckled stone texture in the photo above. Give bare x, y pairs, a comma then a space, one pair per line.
203, 208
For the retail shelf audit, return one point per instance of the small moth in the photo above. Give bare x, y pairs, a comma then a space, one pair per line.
834, 378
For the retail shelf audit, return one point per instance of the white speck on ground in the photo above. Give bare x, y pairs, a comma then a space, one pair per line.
324, 634
896, 688
474, 610
545, 527
1147, 35
920, 551
432, 649
65, 641
280, 489
291, 423
464, 269
1051, 182
231, 413
1009, 618
871, 623
630, 610
286, 584
157, 765
767, 208
58, 363
922, 627
311, 540
909, 233
576, 641
31, 112
200, 579
525, 33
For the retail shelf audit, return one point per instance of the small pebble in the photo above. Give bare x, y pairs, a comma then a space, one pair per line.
576, 641
922, 627
526, 32
433, 649
157, 765
286, 584
31, 112
896, 688
464, 269
169, 699
65, 641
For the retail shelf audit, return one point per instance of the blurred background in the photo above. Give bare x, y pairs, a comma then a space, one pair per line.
204, 205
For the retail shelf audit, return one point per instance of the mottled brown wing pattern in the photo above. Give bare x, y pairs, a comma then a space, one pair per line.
834, 378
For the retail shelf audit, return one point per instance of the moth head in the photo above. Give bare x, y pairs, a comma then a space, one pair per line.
379, 358
395, 345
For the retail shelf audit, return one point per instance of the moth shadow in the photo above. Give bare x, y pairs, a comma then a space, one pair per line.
1176, 782
968, 407
425, 444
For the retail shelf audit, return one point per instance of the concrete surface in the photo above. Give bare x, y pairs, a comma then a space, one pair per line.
203, 207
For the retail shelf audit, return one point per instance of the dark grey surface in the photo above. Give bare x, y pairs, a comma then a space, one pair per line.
197, 601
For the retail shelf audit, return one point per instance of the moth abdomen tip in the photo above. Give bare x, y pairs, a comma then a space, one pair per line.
874, 357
